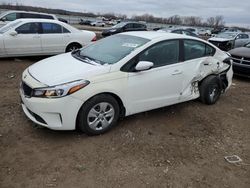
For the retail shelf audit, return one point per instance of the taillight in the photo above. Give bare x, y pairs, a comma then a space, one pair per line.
94, 39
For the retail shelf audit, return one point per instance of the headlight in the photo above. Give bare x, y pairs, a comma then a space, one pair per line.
60, 90
112, 30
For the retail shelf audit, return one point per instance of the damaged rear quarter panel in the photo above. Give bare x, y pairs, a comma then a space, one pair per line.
198, 69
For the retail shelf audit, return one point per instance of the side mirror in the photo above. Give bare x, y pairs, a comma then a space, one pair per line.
144, 65
13, 33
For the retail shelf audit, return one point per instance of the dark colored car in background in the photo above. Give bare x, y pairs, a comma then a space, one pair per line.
124, 27
241, 60
179, 31
63, 20
85, 22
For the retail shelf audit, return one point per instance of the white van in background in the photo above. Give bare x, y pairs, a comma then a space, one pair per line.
9, 16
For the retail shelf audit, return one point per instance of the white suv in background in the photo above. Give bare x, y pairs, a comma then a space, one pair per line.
9, 16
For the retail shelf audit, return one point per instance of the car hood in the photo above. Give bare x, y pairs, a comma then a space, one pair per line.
219, 39
64, 68
242, 52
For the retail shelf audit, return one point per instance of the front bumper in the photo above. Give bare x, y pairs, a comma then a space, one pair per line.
56, 114
241, 69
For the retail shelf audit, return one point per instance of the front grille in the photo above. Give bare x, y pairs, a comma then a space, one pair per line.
27, 90
241, 60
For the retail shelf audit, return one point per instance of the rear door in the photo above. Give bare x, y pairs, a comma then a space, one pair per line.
52, 38
129, 27
26, 42
195, 54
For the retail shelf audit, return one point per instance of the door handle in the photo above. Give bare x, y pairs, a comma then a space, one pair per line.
176, 72
36, 37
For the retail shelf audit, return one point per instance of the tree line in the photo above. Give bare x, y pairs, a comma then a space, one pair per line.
214, 22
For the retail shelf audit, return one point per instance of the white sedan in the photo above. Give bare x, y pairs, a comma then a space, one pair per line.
29, 37
121, 75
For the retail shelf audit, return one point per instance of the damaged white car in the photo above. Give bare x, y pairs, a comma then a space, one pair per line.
121, 75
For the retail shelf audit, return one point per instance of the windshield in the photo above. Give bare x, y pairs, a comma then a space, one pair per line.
119, 25
112, 49
9, 26
227, 35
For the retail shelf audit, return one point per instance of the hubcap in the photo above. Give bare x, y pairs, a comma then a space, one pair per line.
213, 93
101, 116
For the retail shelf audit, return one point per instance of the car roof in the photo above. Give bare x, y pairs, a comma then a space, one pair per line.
22, 11
151, 35
38, 20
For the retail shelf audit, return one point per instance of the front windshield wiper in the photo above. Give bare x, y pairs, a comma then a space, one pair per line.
76, 54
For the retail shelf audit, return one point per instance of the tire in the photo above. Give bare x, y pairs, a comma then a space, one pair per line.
98, 115
72, 47
210, 90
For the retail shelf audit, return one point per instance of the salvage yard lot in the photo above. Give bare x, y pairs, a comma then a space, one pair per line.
178, 146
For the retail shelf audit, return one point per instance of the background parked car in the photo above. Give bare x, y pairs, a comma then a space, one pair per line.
241, 60
204, 32
63, 20
85, 22
124, 27
28, 37
9, 16
179, 31
98, 23
229, 40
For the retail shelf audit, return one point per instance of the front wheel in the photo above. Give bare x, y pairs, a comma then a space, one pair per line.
210, 90
98, 115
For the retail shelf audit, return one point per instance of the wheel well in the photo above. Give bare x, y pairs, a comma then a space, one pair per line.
222, 78
117, 98
73, 43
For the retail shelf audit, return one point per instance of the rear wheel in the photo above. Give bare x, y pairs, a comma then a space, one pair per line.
98, 115
72, 47
210, 90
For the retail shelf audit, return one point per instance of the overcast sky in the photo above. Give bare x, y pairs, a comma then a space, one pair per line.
234, 12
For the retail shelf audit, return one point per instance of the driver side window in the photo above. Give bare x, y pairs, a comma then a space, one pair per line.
163, 53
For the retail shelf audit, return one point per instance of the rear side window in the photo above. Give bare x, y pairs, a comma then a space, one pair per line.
129, 26
163, 53
139, 26
28, 28
65, 30
196, 49
210, 51
46, 17
51, 28
245, 36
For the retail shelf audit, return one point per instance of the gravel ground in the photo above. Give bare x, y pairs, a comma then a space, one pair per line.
178, 146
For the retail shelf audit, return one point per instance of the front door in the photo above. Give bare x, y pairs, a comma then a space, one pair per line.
26, 42
161, 85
